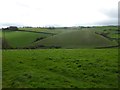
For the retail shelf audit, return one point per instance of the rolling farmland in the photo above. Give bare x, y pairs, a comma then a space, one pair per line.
60, 57
78, 39
62, 38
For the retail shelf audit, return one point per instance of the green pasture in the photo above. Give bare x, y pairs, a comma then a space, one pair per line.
78, 39
63, 38
22, 39
60, 68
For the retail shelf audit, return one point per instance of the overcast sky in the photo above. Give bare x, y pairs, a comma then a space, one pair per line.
58, 12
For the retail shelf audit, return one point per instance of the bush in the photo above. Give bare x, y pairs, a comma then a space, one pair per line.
37, 39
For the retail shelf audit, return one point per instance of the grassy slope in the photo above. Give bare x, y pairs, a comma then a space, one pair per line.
0, 38
0, 33
66, 38
77, 39
21, 39
0, 69
80, 68
0, 59
112, 31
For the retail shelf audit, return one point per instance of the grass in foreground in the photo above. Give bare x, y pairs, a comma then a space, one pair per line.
60, 68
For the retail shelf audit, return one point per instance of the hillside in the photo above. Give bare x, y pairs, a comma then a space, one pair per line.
60, 68
22, 39
77, 39
61, 38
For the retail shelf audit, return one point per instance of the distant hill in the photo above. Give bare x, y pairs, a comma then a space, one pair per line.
77, 39
61, 38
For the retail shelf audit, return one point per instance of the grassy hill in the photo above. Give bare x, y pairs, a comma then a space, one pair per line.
22, 39
62, 38
60, 68
77, 39
0, 38
0, 59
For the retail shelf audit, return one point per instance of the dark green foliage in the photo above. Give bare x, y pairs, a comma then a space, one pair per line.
11, 28
39, 38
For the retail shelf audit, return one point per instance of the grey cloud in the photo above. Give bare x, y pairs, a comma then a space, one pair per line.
113, 21
111, 13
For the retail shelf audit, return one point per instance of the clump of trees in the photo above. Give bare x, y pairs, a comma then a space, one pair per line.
51, 27
27, 27
11, 28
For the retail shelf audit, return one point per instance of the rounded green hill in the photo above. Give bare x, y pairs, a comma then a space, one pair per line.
77, 39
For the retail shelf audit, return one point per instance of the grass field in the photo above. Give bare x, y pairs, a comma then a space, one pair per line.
78, 39
22, 39
60, 68
0, 66
30, 60
0, 33
63, 38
